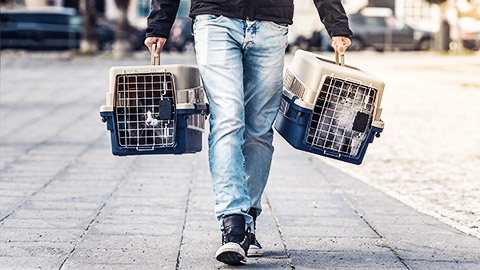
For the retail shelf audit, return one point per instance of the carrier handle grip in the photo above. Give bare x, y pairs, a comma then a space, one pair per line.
340, 61
154, 60
140, 149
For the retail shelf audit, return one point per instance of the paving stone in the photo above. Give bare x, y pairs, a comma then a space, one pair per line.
137, 229
39, 235
364, 259
45, 205
30, 262
57, 213
9, 203
161, 255
442, 264
35, 250
331, 231
76, 265
46, 223
336, 244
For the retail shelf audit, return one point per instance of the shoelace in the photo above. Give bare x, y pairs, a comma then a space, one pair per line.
233, 238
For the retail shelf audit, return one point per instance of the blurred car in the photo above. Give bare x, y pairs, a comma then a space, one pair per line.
46, 29
470, 33
181, 37
313, 43
136, 36
55, 29
379, 29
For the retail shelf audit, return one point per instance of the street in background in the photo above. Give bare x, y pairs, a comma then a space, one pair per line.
55, 29
375, 28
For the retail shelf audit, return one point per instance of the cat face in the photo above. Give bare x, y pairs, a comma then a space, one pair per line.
151, 119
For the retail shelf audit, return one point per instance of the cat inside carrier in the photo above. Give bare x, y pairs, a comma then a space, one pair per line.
157, 109
328, 108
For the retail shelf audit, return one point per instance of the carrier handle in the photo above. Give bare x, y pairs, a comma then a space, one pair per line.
154, 60
140, 149
340, 61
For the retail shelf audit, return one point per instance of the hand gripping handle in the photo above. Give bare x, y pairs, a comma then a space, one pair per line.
154, 60
340, 61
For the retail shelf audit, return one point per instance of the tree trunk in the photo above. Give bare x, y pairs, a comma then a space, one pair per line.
89, 41
443, 35
122, 46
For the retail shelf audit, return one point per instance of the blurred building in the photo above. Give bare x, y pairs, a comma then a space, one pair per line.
418, 13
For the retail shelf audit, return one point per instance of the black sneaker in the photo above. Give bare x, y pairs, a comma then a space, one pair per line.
254, 249
235, 241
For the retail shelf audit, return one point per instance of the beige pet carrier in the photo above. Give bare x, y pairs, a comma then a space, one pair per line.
329, 108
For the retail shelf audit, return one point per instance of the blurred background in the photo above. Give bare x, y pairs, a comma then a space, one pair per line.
118, 25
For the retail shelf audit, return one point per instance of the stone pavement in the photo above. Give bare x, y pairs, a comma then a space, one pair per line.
67, 203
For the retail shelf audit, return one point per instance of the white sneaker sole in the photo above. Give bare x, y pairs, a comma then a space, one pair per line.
254, 251
231, 253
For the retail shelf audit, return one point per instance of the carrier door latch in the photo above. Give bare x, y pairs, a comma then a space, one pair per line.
165, 109
361, 122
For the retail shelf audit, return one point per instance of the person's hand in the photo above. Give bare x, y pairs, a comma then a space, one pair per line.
340, 44
149, 41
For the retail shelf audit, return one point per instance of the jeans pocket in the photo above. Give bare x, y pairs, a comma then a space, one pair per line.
207, 18
277, 25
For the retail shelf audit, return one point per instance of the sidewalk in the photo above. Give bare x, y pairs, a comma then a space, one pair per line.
67, 203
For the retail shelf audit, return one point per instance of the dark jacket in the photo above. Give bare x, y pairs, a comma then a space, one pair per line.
163, 12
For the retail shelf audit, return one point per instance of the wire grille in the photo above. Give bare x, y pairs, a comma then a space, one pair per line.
284, 106
196, 121
193, 95
294, 85
145, 110
342, 113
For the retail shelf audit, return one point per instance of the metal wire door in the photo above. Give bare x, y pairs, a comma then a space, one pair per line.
342, 113
145, 110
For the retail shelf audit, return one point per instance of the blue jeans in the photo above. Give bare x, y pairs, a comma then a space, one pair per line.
241, 66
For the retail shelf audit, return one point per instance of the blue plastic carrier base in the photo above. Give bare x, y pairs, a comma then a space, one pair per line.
292, 123
186, 140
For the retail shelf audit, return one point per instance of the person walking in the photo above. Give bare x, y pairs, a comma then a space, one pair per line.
240, 47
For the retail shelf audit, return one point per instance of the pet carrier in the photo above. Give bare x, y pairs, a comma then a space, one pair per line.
329, 108
157, 109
